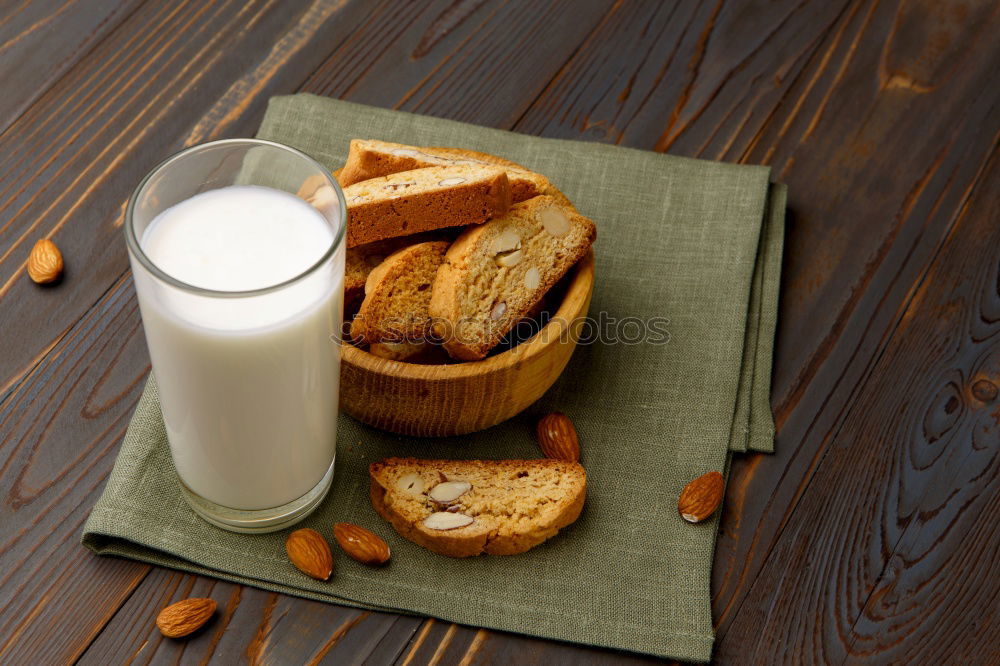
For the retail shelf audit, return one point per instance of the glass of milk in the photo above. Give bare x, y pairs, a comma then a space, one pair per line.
237, 252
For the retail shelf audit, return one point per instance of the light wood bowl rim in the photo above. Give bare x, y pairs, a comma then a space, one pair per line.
574, 304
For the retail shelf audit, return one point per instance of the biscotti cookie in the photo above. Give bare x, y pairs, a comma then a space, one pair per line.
524, 183
369, 158
461, 154
397, 294
429, 352
494, 273
363, 258
424, 199
470, 507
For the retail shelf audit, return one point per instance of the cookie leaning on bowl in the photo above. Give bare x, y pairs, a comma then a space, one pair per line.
463, 508
493, 274
363, 259
397, 293
409, 202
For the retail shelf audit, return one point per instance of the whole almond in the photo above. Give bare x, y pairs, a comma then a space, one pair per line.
360, 544
701, 497
557, 437
45, 263
310, 553
185, 617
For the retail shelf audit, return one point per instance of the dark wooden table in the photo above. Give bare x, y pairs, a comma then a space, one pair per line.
872, 535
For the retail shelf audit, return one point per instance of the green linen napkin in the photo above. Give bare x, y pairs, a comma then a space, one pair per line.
689, 247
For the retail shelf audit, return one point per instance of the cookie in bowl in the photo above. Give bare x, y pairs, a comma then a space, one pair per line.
493, 274
424, 199
397, 294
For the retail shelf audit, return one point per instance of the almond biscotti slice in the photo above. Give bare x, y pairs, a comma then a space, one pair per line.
397, 294
424, 199
361, 260
494, 273
462, 508
369, 158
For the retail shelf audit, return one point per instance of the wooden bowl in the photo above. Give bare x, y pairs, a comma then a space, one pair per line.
453, 399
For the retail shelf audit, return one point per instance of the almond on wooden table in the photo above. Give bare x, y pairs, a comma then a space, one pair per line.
557, 437
45, 263
701, 497
310, 553
361, 544
185, 617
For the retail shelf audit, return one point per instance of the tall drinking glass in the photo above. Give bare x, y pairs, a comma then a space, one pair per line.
237, 252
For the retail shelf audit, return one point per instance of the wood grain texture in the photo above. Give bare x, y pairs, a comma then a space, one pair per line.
481, 62
847, 285
40, 40
877, 580
444, 643
251, 626
59, 433
870, 535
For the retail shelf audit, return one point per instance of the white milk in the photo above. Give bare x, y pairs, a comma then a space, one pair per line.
248, 385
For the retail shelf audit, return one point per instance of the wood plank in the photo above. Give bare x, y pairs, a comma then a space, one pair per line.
250, 625
891, 555
436, 640
480, 62
41, 39
871, 208
59, 434
725, 64
444, 643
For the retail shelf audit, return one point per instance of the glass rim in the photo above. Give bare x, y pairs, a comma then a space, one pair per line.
135, 248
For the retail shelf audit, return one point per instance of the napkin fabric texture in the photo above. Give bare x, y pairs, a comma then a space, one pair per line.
694, 246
